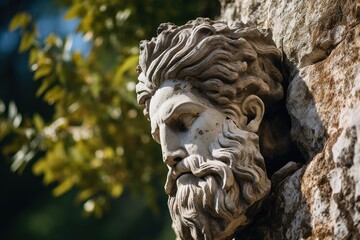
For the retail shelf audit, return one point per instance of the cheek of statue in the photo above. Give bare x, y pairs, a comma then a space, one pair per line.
203, 132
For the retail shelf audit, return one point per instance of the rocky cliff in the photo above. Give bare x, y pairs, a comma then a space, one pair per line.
320, 41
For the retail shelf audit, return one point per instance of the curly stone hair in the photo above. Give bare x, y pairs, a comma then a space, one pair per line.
225, 62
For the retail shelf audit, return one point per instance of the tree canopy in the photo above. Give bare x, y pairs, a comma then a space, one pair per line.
96, 140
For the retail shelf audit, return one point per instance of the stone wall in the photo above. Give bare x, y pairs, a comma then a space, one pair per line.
320, 40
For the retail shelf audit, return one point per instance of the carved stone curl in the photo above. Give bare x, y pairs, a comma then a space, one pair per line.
205, 86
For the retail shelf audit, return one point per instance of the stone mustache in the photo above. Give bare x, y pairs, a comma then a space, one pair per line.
205, 86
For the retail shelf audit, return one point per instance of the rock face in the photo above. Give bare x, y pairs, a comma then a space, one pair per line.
321, 46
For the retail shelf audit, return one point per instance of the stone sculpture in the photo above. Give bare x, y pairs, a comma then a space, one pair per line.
207, 87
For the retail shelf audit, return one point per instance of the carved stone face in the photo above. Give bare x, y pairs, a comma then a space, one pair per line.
216, 172
182, 122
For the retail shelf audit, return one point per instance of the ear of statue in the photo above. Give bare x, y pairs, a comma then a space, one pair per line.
253, 108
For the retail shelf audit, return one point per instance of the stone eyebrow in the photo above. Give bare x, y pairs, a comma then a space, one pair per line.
182, 108
175, 110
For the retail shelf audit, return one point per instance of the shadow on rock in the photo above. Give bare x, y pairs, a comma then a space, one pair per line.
286, 212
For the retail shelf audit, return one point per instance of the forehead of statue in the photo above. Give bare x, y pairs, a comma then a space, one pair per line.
170, 94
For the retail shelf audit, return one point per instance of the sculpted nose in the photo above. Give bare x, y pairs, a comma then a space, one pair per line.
172, 149
172, 157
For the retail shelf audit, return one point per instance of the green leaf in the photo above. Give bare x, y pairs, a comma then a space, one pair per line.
43, 71
26, 41
116, 190
85, 194
33, 56
77, 58
50, 40
17, 120
87, 20
53, 40
42, 88
12, 111
54, 94
38, 122
129, 64
20, 20
39, 167
63, 187
74, 11
46, 82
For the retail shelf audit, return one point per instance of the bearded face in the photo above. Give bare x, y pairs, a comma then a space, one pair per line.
208, 198
207, 120
216, 172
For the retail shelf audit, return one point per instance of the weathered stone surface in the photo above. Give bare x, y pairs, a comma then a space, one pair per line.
324, 97
321, 42
307, 30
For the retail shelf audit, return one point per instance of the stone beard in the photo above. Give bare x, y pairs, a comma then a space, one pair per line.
213, 195
205, 86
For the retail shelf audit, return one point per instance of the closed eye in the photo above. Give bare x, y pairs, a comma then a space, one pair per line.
180, 123
185, 121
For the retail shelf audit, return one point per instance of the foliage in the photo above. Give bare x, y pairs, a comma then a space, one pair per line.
97, 140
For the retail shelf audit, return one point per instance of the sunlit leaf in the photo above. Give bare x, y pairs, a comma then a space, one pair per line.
45, 84
54, 94
77, 58
20, 161
87, 20
26, 41
50, 40
20, 20
128, 65
42, 72
17, 120
63, 187
12, 111
44, 60
38, 122
74, 12
116, 190
19, 158
85, 194
39, 167
33, 55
